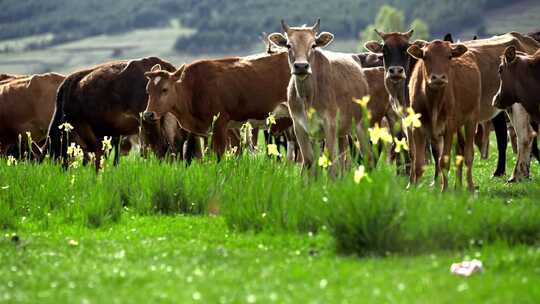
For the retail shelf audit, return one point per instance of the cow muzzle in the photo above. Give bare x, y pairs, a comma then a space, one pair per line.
396, 73
150, 116
438, 80
301, 69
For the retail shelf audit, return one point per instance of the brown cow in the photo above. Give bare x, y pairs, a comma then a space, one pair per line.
325, 81
210, 93
445, 88
26, 105
102, 101
520, 81
487, 53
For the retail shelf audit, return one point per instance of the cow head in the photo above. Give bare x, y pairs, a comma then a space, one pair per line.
511, 62
395, 57
437, 56
161, 91
301, 43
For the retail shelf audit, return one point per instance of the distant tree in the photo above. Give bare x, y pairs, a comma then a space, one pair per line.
389, 19
421, 29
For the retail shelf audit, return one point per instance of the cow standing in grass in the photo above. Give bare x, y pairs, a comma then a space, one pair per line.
520, 81
102, 101
322, 80
445, 88
26, 105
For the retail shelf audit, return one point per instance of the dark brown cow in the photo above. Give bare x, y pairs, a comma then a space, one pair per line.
102, 101
445, 89
26, 105
520, 81
210, 93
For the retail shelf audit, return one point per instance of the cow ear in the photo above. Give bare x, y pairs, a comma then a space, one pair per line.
458, 50
510, 54
278, 39
415, 51
420, 43
374, 46
448, 37
155, 68
178, 74
324, 39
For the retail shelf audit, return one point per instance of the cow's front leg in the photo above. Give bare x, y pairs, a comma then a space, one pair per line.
330, 136
219, 136
300, 125
525, 135
469, 153
418, 156
444, 159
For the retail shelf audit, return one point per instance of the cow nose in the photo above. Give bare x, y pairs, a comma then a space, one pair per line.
438, 79
301, 67
149, 116
396, 70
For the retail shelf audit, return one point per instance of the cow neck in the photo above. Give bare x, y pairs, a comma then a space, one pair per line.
183, 110
436, 103
304, 87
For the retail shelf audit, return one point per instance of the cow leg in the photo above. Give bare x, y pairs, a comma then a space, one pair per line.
116, 147
219, 136
499, 125
444, 158
535, 151
469, 153
344, 152
435, 153
460, 150
418, 156
525, 135
299, 117
330, 135
512, 136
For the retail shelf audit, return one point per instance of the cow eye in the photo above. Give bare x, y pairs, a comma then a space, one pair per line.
288, 46
164, 90
500, 69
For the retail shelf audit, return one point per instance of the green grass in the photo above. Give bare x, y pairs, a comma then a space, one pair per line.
251, 228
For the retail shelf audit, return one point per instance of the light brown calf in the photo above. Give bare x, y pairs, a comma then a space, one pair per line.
322, 80
445, 88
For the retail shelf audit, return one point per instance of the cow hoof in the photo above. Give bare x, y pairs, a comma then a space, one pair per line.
498, 174
512, 180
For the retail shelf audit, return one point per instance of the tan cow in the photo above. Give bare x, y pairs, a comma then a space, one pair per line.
323, 80
487, 53
445, 88
26, 105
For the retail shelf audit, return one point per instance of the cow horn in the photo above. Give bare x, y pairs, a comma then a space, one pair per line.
381, 34
180, 71
284, 26
409, 33
317, 25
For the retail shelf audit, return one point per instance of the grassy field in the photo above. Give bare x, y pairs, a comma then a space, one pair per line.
250, 229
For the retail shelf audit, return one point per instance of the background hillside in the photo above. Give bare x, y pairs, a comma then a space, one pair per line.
62, 35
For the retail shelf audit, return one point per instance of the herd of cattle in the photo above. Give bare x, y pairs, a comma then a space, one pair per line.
461, 90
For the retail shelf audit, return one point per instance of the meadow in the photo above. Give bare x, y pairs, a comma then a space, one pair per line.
253, 229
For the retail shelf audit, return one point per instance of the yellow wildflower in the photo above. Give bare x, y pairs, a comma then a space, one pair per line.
377, 133
106, 145
360, 174
401, 144
311, 111
66, 127
11, 161
270, 120
412, 119
272, 150
324, 161
459, 160
363, 102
